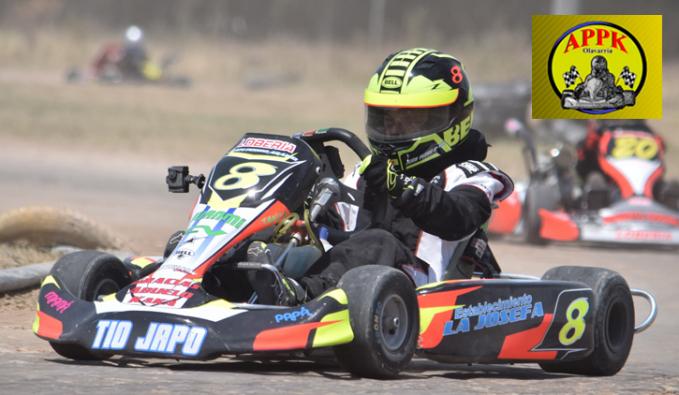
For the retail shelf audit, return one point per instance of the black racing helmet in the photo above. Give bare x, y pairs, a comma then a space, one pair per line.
419, 107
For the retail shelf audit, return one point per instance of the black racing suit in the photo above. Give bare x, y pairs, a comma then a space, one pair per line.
392, 236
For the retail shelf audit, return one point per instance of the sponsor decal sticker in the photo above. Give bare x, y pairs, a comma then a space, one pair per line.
57, 302
597, 66
491, 314
169, 292
276, 145
165, 338
112, 334
160, 337
643, 235
228, 217
293, 316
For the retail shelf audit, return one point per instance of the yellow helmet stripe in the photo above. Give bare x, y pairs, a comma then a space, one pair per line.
404, 60
422, 99
412, 65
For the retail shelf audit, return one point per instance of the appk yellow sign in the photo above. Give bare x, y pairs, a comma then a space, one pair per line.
597, 66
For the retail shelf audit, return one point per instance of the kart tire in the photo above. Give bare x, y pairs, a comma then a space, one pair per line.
87, 275
384, 317
538, 196
613, 315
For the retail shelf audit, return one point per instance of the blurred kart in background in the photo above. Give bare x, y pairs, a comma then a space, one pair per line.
109, 68
624, 202
496, 102
128, 62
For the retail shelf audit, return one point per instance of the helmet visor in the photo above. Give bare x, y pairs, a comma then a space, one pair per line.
393, 124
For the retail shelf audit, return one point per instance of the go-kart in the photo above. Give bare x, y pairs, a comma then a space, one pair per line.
196, 302
620, 206
110, 68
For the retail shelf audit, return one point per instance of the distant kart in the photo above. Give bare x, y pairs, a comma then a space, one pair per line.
195, 302
110, 67
620, 211
495, 102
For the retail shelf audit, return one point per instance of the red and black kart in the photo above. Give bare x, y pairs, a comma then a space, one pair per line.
619, 206
196, 302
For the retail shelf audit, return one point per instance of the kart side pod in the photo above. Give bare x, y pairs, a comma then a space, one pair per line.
490, 321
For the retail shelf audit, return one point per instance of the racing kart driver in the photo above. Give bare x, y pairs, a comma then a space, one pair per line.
425, 190
588, 169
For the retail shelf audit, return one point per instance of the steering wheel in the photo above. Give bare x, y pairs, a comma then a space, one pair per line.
317, 138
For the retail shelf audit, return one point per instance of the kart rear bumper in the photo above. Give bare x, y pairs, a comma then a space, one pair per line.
609, 234
560, 226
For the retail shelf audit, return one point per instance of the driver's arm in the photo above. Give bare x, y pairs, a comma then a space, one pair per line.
450, 215
454, 208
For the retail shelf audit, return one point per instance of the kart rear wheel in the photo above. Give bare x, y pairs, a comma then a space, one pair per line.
538, 195
613, 315
384, 318
87, 275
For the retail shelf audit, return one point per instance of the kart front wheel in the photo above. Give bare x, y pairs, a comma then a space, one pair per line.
613, 320
384, 318
87, 275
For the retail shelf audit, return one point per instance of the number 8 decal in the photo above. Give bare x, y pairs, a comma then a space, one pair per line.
244, 176
456, 74
575, 324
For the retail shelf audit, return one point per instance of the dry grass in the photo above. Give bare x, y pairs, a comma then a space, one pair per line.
25, 299
21, 253
18, 254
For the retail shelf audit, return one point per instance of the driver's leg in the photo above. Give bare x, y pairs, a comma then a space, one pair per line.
368, 247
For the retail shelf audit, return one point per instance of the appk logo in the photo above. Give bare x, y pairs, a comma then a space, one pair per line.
587, 66
600, 91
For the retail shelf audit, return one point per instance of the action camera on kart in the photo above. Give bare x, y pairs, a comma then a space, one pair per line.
178, 179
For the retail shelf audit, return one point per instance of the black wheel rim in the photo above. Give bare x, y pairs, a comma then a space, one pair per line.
616, 325
394, 322
104, 287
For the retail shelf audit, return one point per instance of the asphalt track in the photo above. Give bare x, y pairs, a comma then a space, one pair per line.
128, 195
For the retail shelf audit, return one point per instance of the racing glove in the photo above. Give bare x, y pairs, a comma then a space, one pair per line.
403, 189
373, 170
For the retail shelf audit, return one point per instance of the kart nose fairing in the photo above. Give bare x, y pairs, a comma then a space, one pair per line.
214, 328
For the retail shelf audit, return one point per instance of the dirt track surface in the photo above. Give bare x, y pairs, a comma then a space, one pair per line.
128, 195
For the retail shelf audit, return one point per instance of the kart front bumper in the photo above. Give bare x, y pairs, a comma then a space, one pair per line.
205, 332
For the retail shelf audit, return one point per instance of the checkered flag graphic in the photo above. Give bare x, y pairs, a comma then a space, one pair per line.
628, 77
570, 76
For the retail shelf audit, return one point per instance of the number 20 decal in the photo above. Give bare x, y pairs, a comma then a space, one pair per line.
575, 321
244, 176
642, 148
